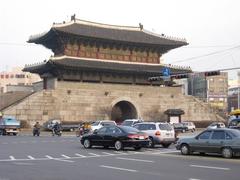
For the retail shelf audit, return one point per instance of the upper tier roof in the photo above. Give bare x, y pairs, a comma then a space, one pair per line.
123, 34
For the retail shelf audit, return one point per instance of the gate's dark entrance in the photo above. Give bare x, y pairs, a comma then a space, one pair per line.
123, 110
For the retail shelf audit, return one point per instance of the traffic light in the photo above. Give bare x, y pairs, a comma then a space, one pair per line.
179, 76
212, 73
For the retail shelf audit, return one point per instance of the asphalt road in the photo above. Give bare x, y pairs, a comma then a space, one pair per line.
63, 158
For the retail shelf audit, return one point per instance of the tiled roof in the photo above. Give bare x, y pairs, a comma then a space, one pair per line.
111, 32
102, 66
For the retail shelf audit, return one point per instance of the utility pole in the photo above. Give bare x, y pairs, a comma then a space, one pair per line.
238, 95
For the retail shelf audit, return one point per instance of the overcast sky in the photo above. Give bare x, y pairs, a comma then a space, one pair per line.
209, 26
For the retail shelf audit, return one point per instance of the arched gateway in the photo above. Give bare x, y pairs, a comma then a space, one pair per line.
96, 62
123, 110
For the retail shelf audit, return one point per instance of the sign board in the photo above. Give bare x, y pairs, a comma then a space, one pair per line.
166, 71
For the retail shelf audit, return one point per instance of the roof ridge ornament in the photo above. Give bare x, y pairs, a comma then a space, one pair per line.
141, 26
73, 17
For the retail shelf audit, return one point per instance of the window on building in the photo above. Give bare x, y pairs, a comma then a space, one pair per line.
2, 76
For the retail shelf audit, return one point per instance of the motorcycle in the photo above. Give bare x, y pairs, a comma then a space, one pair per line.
36, 131
57, 132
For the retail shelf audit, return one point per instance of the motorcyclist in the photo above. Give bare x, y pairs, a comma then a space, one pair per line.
36, 129
57, 128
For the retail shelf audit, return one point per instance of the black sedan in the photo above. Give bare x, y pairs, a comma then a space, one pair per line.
223, 141
116, 136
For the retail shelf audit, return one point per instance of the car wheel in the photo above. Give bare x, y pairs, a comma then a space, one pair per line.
185, 150
227, 152
87, 143
118, 145
151, 143
166, 145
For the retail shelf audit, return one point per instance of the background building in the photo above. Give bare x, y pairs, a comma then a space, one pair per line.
211, 89
16, 77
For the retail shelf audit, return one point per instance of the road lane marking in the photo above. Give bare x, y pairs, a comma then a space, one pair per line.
166, 152
108, 153
64, 160
118, 152
117, 168
79, 155
12, 157
193, 179
23, 163
93, 154
209, 167
130, 159
30, 157
57, 159
63, 155
49, 157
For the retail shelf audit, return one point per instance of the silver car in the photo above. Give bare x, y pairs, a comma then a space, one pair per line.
159, 133
223, 141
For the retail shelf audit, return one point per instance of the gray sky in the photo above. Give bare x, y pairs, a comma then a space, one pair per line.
208, 25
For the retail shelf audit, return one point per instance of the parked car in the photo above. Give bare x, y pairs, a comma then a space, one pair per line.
65, 125
223, 141
98, 124
234, 124
9, 125
159, 133
215, 125
116, 136
179, 127
189, 125
131, 122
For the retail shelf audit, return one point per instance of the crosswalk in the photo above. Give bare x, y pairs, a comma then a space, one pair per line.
12, 158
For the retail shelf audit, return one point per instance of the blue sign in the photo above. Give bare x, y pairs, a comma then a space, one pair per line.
166, 71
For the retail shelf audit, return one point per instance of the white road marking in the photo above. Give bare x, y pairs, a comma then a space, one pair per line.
130, 159
79, 155
193, 179
49, 157
166, 152
65, 156
118, 152
30, 157
64, 160
117, 168
12, 158
93, 154
23, 163
58, 159
210, 167
108, 153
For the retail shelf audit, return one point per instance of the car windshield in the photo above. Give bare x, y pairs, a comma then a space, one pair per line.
128, 129
95, 123
165, 127
178, 125
235, 132
235, 122
127, 123
108, 123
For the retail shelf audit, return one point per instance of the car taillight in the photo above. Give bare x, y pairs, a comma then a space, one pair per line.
133, 136
157, 133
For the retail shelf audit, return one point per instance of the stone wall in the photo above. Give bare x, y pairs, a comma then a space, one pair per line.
76, 101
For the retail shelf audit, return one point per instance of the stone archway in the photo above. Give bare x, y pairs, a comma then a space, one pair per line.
123, 110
